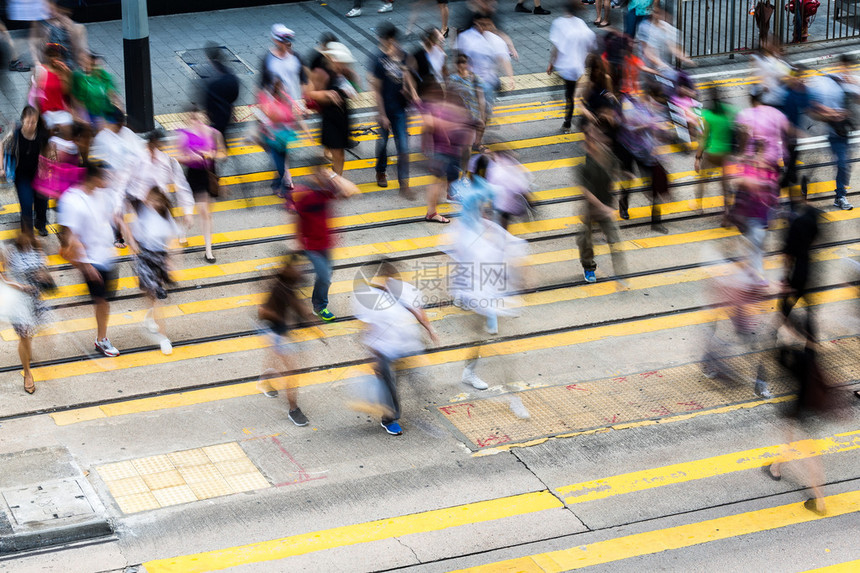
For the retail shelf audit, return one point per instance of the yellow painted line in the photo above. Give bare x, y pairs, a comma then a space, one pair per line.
848, 567
705, 468
505, 348
678, 537
434, 520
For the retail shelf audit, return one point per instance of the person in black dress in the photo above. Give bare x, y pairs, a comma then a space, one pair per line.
24, 146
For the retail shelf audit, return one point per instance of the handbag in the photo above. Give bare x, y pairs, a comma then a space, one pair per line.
214, 183
53, 177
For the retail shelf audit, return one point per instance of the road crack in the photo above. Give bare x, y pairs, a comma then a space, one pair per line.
398, 540
549, 489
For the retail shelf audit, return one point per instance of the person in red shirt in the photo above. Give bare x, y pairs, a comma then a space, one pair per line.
313, 233
53, 81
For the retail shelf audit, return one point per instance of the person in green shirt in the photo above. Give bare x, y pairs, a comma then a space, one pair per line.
637, 11
715, 146
94, 88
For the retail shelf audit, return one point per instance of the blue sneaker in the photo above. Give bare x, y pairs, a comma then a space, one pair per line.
325, 314
393, 428
589, 277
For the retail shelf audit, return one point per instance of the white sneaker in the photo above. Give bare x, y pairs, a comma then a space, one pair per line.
104, 346
149, 323
471, 378
166, 347
354, 13
518, 408
386, 7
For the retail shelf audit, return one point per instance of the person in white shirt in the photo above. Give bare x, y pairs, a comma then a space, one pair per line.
392, 311
88, 216
157, 169
282, 63
122, 150
152, 231
488, 53
572, 42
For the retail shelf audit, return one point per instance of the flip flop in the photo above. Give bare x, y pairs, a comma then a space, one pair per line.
431, 219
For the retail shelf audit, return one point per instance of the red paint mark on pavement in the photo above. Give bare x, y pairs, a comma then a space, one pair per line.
620, 379
304, 476
611, 420
576, 387
494, 439
457, 409
692, 405
651, 374
662, 410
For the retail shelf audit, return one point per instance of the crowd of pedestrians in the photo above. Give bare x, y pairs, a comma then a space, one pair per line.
116, 191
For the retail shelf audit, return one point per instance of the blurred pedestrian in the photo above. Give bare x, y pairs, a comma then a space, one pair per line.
32, 11
123, 151
597, 176
356, 8
803, 230
448, 126
757, 192
152, 231
221, 90
160, 170
640, 131
280, 118
88, 215
281, 306
24, 267
539, 10
463, 83
95, 90
443, 15
572, 41
637, 12
281, 62
603, 13
833, 96
512, 184
428, 62
200, 149
392, 311
23, 146
394, 91
59, 29
314, 233
331, 90
715, 148
51, 83
796, 104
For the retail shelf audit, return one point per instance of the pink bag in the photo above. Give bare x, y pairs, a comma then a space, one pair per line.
53, 178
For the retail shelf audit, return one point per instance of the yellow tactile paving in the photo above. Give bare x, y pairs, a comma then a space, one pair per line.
660, 394
137, 502
181, 477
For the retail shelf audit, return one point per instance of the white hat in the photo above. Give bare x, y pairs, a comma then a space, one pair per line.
339, 53
281, 33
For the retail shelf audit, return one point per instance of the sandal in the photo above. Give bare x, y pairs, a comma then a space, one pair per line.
31, 387
120, 244
433, 219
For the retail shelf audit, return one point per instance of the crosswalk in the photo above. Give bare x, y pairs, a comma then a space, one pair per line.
671, 272
578, 556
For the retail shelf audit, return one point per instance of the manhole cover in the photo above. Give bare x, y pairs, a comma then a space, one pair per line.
198, 62
46, 502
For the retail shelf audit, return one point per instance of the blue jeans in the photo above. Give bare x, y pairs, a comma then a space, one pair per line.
839, 146
279, 159
631, 22
397, 118
322, 268
28, 198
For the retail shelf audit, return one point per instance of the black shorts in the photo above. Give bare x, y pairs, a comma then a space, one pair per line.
445, 167
105, 288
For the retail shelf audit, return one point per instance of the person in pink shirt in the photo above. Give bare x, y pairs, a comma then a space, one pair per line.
764, 125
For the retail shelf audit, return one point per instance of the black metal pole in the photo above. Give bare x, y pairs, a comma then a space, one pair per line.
138, 74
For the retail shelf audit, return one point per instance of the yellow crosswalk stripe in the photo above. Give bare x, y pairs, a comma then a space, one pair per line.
503, 348
436, 520
472, 513
705, 468
672, 538
848, 567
